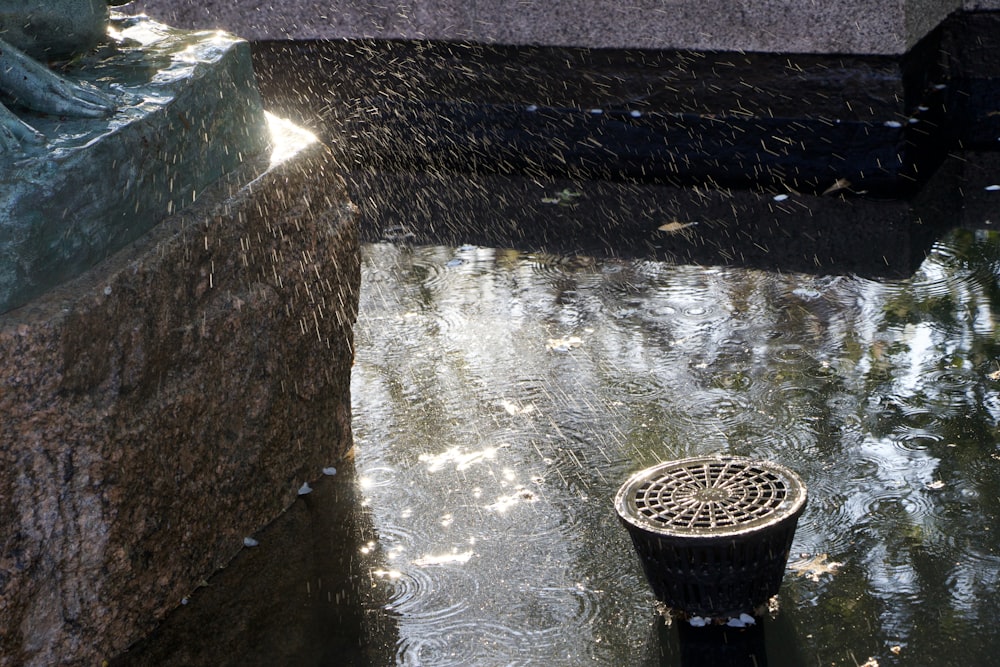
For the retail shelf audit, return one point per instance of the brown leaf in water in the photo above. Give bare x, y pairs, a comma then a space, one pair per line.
812, 568
838, 185
674, 227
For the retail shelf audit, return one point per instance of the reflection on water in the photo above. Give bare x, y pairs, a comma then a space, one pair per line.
501, 397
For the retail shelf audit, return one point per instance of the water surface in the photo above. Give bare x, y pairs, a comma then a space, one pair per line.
502, 396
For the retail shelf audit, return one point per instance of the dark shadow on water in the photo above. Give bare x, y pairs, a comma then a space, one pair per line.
772, 231
772, 642
303, 597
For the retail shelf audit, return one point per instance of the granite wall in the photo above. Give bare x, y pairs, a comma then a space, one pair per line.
167, 403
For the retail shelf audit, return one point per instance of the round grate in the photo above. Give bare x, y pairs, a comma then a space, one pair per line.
710, 497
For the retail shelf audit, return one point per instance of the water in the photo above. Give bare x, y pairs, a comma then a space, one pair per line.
502, 396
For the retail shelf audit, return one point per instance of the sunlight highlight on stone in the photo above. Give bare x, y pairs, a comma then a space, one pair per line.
287, 139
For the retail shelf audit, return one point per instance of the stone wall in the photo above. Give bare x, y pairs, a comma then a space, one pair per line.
849, 26
169, 402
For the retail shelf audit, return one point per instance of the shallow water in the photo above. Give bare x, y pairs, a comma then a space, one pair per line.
501, 397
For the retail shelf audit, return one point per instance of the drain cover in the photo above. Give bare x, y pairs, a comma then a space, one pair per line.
713, 533
710, 497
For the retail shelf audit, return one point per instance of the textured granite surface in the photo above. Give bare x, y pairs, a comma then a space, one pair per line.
168, 402
850, 26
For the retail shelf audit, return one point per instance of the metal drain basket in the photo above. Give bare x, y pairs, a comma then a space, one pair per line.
713, 533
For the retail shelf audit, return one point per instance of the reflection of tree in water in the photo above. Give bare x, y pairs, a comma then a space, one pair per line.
921, 468
879, 394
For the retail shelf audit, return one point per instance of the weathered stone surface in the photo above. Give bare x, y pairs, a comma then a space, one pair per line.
849, 26
184, 99
168, 402
306, 595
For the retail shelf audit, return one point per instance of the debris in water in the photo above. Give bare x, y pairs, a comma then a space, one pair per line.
564, 198
250, 542
812, 568
896, 650
564, 344
304, 489
936, 484
674, 227
838, 185
870, 662
743, 621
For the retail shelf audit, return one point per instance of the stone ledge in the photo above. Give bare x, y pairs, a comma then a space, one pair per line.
168, 402
785, 26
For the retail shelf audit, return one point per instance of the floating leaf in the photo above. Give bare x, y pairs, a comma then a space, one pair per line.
812, 568
674, 227
564, 344
838, 185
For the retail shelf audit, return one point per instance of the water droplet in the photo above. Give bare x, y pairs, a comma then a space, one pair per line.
992, 188
250, 542
780, 197
635, 114
892, 123
330, 471
304, 489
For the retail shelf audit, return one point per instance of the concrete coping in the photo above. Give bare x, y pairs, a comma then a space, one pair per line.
863, 27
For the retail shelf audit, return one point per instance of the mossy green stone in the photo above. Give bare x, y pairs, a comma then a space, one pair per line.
188, 112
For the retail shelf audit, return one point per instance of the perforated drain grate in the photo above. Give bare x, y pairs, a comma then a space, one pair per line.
710, 496
713, 533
